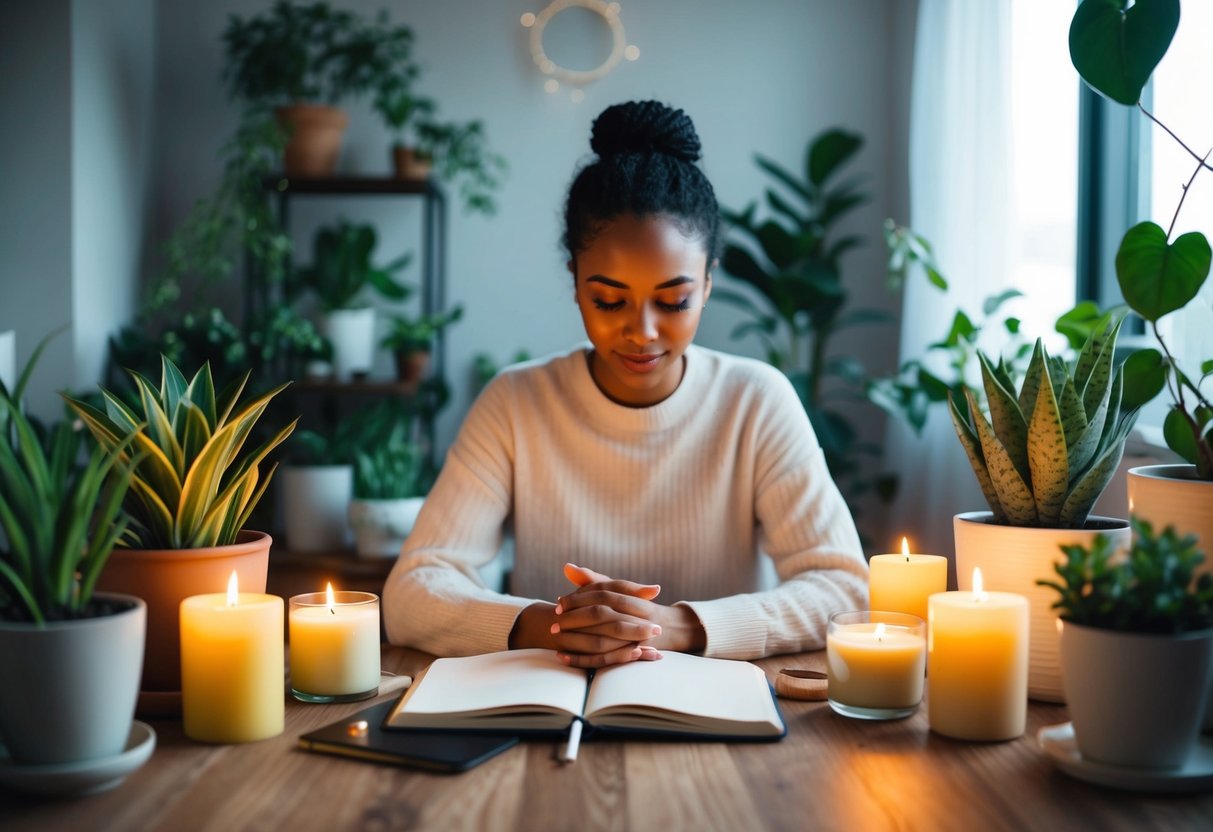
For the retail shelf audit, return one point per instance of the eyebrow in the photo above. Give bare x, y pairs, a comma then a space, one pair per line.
669, 284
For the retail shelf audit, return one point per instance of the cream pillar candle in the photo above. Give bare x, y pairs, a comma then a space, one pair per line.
876, 664
978, 649
334, 646
903, 583
231, 666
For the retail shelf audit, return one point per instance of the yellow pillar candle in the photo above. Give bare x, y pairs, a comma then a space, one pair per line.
903, 583
334, 646
876, 663
978, 649
231, 666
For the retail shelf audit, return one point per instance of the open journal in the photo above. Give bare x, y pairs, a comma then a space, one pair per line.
531, 690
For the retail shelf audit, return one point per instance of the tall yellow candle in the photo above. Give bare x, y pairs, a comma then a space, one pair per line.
978, 649
231, 666
334, 646
903, 583
876, 664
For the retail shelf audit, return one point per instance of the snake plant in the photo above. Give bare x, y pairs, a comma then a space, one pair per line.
60, 519
1045, 455
196, 485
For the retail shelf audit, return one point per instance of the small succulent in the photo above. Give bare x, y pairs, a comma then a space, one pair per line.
196, 485
1045, 455
1152, 590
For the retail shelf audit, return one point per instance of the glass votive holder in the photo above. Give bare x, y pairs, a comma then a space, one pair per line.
877, 663
334, 646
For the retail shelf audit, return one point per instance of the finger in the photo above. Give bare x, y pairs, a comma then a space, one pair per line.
623, 655
588, 643
583, 576
589, 621
580, 576
649, 654
620, 602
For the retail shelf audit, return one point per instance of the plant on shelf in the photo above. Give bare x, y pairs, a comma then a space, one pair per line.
795, 266
1115, 52
390, 483
1136, 645
70, 656
411, 340
389, 470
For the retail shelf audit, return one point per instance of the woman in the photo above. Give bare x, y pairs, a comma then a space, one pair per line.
642, 457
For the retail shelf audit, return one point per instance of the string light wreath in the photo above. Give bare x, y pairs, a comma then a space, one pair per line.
620, 49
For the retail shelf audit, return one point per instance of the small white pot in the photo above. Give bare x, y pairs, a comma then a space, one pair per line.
352, 333
315, 499
69, 688
380, 526
1013, 559
1136, 699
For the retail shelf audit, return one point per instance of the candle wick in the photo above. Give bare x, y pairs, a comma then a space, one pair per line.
332, 611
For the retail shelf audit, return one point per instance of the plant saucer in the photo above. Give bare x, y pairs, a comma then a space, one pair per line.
1058, 742
84, 777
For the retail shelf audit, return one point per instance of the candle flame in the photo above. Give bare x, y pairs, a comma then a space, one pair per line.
979, 592
880, 631
905, 548
233, 593
328, 597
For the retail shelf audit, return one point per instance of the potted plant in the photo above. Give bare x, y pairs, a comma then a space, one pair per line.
411, 341
1042, 458
195, 483
1116, 54
1136, 646
339, 275
388, 490
71, 656
317, 485
302, 60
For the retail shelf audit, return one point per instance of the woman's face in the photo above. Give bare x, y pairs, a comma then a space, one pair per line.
641, 286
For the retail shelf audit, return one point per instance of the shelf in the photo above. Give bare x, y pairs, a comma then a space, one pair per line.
350, 185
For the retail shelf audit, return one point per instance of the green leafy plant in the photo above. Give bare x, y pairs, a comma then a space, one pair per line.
60, 519
485, 367
1115, 50
341, 267
390, 467
196, 484
1045, 455
410, 335
793, 261
1152, 590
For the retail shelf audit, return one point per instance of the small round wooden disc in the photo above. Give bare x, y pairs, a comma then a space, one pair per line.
813, 690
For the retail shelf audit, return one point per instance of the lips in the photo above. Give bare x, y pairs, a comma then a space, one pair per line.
640, 363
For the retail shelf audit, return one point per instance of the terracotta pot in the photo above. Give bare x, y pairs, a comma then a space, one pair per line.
165, 577
409, 165
315, 132
69, 688
412, 366
1012, 559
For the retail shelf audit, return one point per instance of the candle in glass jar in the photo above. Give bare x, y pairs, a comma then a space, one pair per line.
903, 583
978, 649
334, 646
876, 663
231, 666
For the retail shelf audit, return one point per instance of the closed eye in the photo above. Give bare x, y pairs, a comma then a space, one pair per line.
681, 306
608, 307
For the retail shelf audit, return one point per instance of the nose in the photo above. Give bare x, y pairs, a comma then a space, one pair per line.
641, 325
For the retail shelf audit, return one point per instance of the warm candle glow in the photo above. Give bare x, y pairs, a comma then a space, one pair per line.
328, 597
233, 593
879, 632
979, 593
905, 548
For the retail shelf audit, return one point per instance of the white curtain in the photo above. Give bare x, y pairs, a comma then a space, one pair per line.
960, 200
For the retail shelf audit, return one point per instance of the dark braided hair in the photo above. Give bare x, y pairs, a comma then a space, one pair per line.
645, 167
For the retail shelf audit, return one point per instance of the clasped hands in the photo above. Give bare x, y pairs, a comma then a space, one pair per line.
605, 621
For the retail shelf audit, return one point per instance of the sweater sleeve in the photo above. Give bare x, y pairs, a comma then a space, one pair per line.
810, 535
434, 599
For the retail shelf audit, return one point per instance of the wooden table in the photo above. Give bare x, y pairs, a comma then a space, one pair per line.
829, 773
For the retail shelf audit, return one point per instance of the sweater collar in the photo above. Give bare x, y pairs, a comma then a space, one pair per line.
600, 410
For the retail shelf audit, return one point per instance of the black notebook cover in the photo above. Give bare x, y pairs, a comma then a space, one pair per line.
443, 751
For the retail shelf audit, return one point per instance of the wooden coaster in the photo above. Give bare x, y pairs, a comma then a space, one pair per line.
813, 690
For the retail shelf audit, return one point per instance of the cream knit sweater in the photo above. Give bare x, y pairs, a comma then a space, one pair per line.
682, 494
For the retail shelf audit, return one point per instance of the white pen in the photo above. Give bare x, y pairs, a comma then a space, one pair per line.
570, 749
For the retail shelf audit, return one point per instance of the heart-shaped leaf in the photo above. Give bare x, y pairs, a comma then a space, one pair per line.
828, 152
1145, 374
1157, 278
1115, 50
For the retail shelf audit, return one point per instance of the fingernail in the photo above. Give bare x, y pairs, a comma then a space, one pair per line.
656, 629
555, 629
559, 609
636, 653
565, 659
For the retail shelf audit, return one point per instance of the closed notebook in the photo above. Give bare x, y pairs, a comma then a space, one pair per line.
531, 690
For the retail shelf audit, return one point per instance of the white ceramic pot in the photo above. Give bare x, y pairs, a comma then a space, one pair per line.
69, 688
1012, 559
315, 500
380, 526
1136, 699
352, 334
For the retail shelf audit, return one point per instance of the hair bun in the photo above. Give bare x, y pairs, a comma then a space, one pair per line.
645, 127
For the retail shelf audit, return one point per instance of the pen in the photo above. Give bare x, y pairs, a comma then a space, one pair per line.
570, 749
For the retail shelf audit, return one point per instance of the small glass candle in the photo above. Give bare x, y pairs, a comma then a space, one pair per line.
334, 646
877, 661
